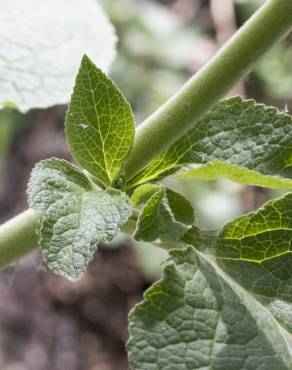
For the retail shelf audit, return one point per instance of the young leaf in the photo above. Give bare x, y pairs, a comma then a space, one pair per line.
142, 194
167, 216
76, 215
238, 139
41, 44
197, 317
99, 124
51, 180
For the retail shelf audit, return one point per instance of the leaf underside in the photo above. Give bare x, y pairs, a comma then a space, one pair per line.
41, 44
76, 215
197, 317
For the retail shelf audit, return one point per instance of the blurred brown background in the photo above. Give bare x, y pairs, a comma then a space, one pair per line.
47, 323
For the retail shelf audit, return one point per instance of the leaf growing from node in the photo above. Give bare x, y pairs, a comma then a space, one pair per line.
142, 194
167, 216
239, 139
76, 215
100, 126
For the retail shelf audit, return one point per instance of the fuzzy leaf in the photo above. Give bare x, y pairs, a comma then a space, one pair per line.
51, 180
76, 215
100, 126
167, 216
41, 44
197, 317
238, 139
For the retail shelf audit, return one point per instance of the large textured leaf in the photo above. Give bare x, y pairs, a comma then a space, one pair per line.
238, 139
166, 215
100, 126
41, 44
197, 318
76, 215
256, 250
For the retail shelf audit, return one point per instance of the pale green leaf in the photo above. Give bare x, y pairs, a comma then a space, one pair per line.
51, 180
197, 317
239, 139
100, 126
216, 169
76, 215
167, 216
41, 45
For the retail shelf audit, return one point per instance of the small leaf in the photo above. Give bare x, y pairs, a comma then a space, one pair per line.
41, 44
197, 317
76, 215
100, 126
239, 139
142, 194
167, 216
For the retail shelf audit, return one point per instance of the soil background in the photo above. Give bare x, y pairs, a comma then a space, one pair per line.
47, 323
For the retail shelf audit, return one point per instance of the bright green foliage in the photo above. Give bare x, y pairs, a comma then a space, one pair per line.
253, 139
217, 169
167, 216
256, 250
196, 317
100, 126
76, 215
142, 194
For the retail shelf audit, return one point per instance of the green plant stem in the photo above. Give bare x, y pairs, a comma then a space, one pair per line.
18, 236
177, 115
270, 23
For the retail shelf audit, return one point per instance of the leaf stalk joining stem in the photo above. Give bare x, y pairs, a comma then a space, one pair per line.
269, 24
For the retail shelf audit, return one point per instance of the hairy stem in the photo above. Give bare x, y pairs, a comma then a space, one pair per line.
270, 23
177, 115
18, 236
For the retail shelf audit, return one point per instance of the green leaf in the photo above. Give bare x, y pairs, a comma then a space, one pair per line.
100, 127
216, 169
197, 317
76, 215
167, 216
142, 194
51, 180
41, 44
238, 139
255, 250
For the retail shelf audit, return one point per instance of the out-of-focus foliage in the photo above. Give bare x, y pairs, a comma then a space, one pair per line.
157, 51
248, 7
41, 46
275, 72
